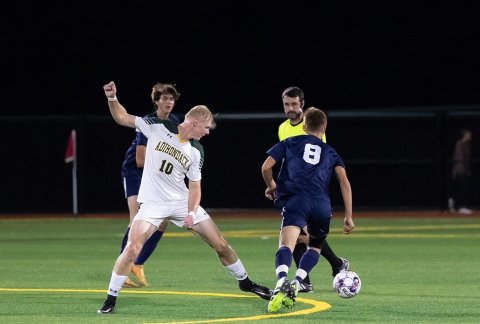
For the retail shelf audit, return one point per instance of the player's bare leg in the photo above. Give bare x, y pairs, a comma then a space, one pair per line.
208, 231
140, 231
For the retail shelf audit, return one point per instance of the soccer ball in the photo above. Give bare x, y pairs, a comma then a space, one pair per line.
347, 284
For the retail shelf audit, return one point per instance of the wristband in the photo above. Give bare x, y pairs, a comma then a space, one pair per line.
192, 213
112, 99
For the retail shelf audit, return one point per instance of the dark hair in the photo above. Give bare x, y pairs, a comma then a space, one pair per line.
293, 92
160, 89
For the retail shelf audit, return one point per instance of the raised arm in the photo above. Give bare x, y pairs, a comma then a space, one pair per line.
346, 189
119, 113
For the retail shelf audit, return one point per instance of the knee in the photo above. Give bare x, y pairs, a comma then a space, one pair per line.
302, 239
222, 247
317, 241
131, 251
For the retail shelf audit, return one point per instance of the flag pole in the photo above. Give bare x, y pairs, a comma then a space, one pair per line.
71, 156
74, 174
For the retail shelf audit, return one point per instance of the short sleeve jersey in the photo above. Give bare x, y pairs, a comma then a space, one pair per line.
308, 165
167, 162
286, 130
129, 165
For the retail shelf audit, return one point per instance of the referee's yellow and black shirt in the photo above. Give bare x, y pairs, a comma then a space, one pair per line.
286, 130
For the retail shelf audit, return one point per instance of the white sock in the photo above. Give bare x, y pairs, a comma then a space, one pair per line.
281, 268
280, 282
237, 270
301, 273
116, 284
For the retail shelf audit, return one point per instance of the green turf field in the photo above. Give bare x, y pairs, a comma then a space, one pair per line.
413, 270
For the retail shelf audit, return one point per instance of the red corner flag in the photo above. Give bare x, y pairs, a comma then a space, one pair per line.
70, 152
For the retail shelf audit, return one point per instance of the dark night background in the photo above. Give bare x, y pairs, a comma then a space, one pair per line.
236, 57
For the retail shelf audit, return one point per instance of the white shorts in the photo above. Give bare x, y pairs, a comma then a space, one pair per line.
176, 213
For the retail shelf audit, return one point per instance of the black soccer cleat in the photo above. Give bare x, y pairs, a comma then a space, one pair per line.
250, 286
345, 266
305, 288
107, 307
261, 291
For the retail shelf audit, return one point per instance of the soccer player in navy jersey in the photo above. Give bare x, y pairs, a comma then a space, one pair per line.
302, 193
164, 96
293, 99
173, 154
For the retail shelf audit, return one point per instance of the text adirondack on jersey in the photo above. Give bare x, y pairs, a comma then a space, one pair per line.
167, 162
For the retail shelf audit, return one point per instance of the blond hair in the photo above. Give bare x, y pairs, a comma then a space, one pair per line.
315, 120
201, 112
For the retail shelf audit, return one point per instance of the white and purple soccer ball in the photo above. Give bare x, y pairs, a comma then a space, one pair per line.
347, 284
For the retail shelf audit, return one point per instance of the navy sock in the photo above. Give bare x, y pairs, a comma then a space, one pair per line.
148, 248
308, 261
283, 257
300, 249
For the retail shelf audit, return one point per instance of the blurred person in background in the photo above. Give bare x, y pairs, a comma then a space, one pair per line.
461, 174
